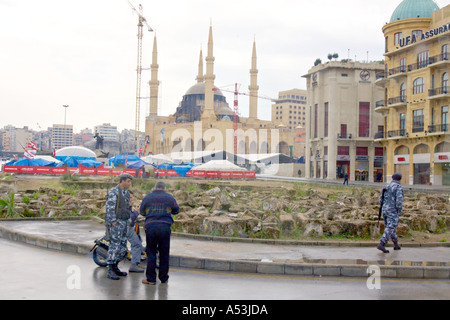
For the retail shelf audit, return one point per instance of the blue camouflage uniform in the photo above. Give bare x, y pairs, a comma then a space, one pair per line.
117, 210
392, 210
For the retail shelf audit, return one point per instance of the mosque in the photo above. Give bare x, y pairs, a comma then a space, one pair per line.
204, 121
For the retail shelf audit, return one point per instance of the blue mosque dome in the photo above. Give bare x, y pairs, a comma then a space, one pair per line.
414, 9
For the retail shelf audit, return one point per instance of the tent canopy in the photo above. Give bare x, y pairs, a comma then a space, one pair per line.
137, 164
219, 165
122, 159
36, 162
81, 153
74, 162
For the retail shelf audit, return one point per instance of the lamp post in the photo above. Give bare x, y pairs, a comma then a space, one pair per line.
65, 112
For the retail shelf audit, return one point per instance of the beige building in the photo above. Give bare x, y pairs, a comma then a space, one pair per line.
205, 121
62, 136
416, 84
290, 108
15, 139
342, 121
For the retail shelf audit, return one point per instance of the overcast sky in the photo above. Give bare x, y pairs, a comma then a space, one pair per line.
83, 53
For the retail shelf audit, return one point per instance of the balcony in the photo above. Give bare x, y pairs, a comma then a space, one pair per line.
379, 135
438, 128
397, 133
418, 65
437, 93
381, 78
439, 60
399, 71
397, 101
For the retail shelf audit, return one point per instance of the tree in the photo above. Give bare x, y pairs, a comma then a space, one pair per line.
317, 62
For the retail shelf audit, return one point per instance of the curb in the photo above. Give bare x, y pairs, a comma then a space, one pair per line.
255, 267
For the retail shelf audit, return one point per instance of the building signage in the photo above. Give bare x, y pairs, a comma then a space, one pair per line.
442, 157
401, 159
426, 35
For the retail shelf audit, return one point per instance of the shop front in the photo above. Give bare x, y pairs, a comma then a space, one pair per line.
422, 166
442, 168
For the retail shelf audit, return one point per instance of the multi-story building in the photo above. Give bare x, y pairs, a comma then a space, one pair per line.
342, 121
290, 108
107, 131
15, 139
62, 136
416, 85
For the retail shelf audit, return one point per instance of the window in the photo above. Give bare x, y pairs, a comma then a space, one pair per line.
402, 121
444, 118
445, 83
325, 126
364, 119
418, 86
343, 151
379, 152
316, 111
403, 92
422, 59
403, 65
362, 151
417, 34
445, 52
418, 120
343, 131
397, 37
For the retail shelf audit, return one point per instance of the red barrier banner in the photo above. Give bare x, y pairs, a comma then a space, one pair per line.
45, 170
59, 170
88, 171
10, 169
250, 174
238, 174
116, 173
27, 169
212, 174
130, 171
225, 174
172, 173
189, 173
199, 173
74, 170
161, 173
103, 171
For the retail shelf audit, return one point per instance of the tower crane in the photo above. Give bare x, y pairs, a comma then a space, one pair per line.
236, 109
140, 34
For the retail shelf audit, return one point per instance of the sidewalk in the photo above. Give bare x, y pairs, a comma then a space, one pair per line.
415, 260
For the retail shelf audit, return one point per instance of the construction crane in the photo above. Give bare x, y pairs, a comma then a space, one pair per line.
139, 69
236, 109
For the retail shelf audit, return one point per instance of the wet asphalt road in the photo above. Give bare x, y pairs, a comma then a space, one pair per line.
27, 272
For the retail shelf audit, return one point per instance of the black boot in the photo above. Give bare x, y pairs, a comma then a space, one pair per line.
396, 246
111, 274
117, 270
382, 248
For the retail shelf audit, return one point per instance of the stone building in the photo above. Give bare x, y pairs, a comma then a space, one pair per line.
416, 85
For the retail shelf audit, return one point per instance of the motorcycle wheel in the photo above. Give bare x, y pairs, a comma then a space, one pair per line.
100, 255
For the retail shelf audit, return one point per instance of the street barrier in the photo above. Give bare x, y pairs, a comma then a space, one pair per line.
101, 171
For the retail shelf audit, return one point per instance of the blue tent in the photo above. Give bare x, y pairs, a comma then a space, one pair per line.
138, 164
181, 169
73, 162
32, 163
122, 158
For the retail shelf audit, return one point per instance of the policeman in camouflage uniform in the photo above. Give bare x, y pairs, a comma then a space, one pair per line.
117, 220
392, 206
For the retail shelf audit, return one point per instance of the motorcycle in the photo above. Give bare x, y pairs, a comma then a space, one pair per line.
101, 246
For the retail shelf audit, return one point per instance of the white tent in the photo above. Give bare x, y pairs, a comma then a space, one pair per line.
158, 159
75, 152
219, 165
47, 158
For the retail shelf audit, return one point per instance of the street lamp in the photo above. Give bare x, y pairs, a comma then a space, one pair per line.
65, 112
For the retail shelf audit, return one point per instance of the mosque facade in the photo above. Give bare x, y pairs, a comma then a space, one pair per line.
204, 120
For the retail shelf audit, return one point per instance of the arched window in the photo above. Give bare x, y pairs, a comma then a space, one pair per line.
445, 83
403, 92
418, 86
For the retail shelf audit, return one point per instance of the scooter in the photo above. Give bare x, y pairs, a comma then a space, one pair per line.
101, 246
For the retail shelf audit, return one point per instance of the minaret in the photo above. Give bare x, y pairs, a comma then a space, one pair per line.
253, 87
154, 83
209, 79
200, 76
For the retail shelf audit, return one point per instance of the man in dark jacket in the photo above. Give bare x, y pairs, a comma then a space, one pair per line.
157, 208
